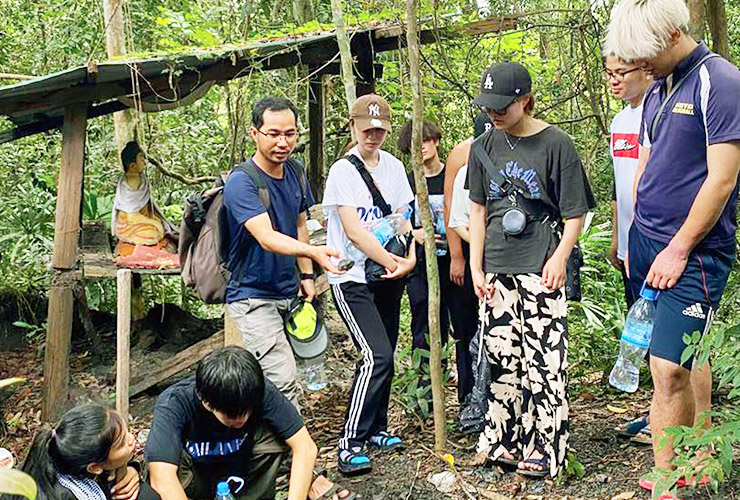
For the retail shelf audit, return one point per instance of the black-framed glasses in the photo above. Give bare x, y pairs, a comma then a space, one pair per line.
619, 75
273, 135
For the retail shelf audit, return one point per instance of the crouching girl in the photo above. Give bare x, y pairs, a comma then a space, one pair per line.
78, 458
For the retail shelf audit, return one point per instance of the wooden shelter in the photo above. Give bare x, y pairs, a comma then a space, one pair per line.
69, 98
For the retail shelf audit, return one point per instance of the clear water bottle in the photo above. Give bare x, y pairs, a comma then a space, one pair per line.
635, 341
383, 229
313, 373
223, 492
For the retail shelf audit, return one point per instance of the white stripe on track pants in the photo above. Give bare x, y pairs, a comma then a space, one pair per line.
375, 336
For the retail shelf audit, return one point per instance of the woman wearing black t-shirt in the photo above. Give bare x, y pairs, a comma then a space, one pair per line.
521, 274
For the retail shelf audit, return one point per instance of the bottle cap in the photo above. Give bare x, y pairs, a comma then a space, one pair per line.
648, 293
222, 489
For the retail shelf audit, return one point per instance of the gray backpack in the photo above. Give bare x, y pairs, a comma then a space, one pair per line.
204, 235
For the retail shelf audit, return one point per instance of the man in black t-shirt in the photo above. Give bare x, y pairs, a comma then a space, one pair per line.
229, 421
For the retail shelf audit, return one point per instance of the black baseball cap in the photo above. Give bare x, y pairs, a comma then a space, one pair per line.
502, 84
481, 125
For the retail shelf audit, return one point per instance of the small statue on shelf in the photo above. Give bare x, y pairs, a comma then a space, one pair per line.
145, 237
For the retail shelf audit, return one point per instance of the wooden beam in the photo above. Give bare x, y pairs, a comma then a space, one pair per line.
123, 340
55, 122
69, 190
179, 362
66, 229
316, 118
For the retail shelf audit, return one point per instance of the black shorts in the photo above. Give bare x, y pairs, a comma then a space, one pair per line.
690, 305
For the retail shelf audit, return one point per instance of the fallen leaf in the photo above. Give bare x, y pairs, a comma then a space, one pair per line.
479, 458
491, 495
514, 487
616, 409
586, 396
624, 496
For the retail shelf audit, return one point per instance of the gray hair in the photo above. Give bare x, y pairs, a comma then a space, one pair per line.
640, 29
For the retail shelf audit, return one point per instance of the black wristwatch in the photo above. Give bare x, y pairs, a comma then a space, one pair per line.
307, 276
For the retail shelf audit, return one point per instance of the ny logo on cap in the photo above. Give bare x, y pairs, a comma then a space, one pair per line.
373, 110
488, 84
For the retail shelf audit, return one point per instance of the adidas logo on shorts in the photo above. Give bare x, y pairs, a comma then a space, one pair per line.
694, 311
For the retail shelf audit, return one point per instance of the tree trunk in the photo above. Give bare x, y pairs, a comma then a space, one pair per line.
718, 27
303, 11
115, 44
698, 19
435, 344
345, 53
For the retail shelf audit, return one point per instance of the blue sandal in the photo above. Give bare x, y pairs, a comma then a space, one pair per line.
353, 461
543, 462
632, 428
385, 441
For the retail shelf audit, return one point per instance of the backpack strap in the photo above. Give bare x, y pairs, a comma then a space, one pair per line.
378, 199
251, 169
299, 172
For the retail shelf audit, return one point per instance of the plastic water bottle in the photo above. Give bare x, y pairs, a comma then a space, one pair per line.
313, 373
635, 341
383, 229
223, 492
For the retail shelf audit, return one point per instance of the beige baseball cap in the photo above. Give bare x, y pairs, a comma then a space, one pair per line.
371, 111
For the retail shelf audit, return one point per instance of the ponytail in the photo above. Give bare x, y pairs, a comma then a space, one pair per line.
83, 436
40, 466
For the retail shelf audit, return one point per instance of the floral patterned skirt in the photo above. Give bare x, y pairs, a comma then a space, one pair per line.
526, 341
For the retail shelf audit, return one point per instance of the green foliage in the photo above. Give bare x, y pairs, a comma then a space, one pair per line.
15, 482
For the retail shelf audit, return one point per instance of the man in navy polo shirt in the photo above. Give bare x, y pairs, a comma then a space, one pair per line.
682, 240
264, 245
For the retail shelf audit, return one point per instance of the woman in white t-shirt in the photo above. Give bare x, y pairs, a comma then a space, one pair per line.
349, 207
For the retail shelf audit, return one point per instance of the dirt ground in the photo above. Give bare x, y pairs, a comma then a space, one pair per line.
612, 465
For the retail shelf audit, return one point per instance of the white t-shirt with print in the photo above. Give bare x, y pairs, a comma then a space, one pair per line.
345, 187
624, 148
460, 205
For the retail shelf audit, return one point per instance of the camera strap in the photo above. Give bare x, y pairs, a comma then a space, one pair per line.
378, 199
532, 208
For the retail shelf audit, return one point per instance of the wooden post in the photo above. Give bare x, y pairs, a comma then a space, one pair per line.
69, 190
123, 340
316, 131
232, 336
56, 354
363, 50
66, 232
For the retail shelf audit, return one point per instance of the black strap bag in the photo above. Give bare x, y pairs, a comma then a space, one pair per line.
399, 244
522, 209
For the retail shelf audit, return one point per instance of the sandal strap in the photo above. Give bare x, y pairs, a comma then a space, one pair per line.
542, 462
385, 439
353, 457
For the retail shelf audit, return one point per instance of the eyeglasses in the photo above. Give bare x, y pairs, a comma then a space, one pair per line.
275, 136
619, 75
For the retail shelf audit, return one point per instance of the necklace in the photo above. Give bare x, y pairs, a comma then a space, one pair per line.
511, 146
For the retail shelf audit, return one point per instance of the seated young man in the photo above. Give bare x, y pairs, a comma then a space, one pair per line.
229, 420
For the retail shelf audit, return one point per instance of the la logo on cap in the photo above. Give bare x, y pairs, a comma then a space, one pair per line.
488, 84
373, 110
